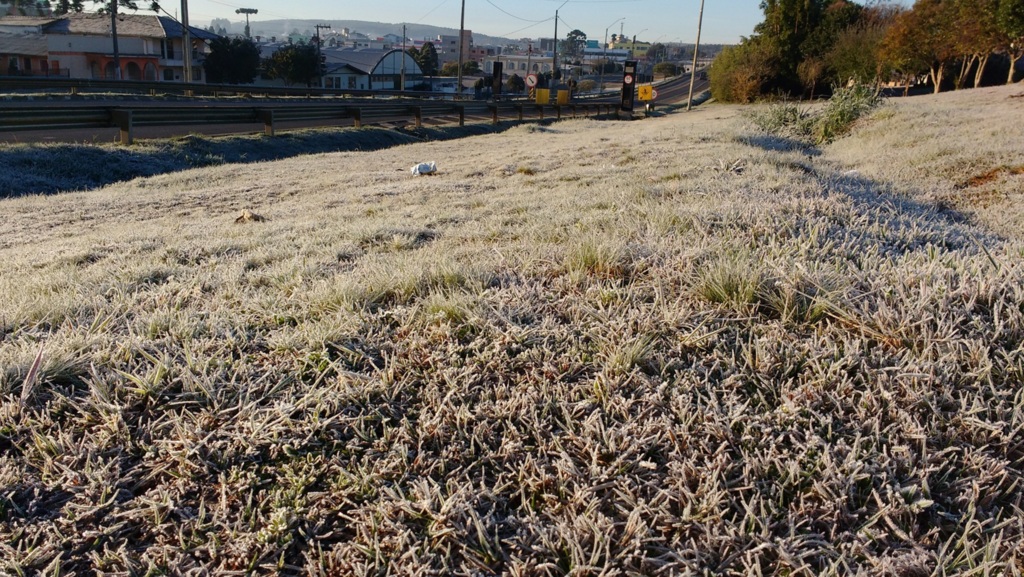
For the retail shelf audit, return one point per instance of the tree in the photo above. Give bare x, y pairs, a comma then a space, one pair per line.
975, 36
666, 69
742, 73
810, 72
295, 64
515, 83
574, 44
787, 24
27, 7
657, 52
855, 54
232, 61
1010, 26
426, 58
922, 39
452, 68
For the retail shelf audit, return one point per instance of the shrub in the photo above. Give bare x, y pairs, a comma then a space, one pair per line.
790, 120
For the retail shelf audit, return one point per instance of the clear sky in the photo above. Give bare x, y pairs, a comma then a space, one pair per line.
650, 20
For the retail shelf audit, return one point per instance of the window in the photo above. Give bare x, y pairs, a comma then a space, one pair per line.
168, 74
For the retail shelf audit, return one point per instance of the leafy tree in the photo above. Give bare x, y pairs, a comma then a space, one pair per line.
426, 57
923, 39
666, 69
27, 7
295, 64
657, 52
574, 44
1010, 26
787, 24
855, 53
232, 61
742, 73
607, 66
975, 36
452, 68
515, 83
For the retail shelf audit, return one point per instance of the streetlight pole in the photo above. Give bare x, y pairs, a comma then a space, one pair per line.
247, 12
604, 56
693, 69
554, 50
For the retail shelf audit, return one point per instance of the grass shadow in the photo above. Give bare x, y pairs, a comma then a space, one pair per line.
54, 168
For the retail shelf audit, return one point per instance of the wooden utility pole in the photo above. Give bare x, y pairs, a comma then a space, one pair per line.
320, 66
402, 87
113, 37
186, 42
696, 47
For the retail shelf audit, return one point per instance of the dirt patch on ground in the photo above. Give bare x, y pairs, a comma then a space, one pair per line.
992, 175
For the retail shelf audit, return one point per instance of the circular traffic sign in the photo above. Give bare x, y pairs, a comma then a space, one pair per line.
531, 80
628, 79
654, 93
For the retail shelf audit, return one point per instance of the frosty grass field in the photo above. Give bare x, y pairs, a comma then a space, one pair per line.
676, 346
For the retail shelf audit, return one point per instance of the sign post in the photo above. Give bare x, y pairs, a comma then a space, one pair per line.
628, 85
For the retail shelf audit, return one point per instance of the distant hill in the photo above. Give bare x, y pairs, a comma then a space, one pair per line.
281, 28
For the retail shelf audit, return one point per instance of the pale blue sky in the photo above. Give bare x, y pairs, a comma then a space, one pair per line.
651, 20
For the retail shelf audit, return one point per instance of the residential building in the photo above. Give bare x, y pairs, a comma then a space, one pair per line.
150, 47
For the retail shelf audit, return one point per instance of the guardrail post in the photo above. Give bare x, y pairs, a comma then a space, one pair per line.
417, 112
558, 112
519, 109
267, 117
123, 120
357, 118
494, 113
462, 115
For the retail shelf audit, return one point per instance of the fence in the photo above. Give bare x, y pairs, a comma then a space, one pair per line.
49, 116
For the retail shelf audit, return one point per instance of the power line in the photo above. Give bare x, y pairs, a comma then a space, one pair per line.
507, 34
505, 12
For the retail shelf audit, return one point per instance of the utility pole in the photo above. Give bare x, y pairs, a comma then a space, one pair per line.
462, 34
402, 87
554, 49
604, 57
186, 42
693, 69
114, 38
247, 12
319, 53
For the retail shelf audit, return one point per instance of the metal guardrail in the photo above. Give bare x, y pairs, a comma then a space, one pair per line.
126, 117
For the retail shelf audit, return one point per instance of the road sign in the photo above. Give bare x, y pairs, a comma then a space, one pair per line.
531, 80
654, 93
645, 92
628, 70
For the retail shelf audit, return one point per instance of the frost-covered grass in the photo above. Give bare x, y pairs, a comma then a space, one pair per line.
673, 347
49, 168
